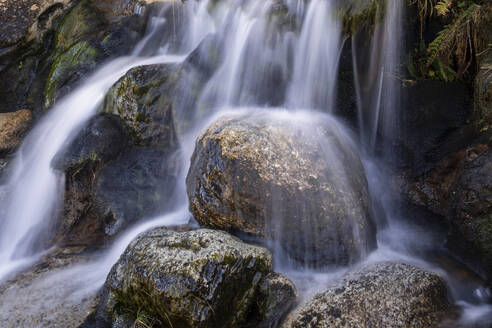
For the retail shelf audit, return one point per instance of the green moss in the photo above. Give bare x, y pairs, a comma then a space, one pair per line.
78, 55
362, 14
81, 21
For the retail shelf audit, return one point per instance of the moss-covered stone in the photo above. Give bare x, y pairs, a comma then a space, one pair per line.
201, 278
83, 40
291, 179
79, 56
144, 101
379, 295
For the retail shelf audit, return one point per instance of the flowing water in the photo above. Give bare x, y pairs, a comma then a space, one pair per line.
286, 65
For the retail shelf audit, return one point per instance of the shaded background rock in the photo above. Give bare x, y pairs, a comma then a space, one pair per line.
201, 278
294, 180
379, 295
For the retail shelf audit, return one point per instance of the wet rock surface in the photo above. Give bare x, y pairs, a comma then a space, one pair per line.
66, 41
135, 186
470, 213
101, 141
39, 297
200, 278
378, 295
458, 189
297, 182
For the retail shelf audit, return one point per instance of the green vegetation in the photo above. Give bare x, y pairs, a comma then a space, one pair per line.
452, 54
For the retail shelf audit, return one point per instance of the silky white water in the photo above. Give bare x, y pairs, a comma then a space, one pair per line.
260, 68
34, 189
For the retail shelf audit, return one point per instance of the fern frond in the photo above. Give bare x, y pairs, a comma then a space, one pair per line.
443, 7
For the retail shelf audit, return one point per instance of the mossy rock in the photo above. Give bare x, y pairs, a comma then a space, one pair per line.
143, 99
201, 278
83, 40
289, 178
385, 295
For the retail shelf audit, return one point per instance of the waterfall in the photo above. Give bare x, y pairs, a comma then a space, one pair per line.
286, 69
377, 79
34, 190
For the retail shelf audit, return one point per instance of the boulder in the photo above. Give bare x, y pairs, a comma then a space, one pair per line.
200, 278
378, 295
13, 127
293, 178
143, 100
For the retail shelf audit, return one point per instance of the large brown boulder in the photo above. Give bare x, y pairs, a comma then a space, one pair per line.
200, 278
293, 178
379, 295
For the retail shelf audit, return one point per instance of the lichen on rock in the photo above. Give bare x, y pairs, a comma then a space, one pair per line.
200, 278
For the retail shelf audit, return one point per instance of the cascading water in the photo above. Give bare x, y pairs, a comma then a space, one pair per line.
261, 67
34, 189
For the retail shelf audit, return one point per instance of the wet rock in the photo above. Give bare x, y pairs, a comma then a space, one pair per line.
378, 295
143, 100
201, 278
135, 186
41, 296
13, 127
470, 213
459, 190
295, 179
101, 141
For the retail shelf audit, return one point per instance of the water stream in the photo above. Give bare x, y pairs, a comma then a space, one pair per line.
263, 68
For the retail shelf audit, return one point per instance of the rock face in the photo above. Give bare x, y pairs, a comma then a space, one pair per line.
84, 39
296, 179
134, 186
46, 46
24, 20
379, 295
201, 278
13, 126
102, 141
459, 189
470, 212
